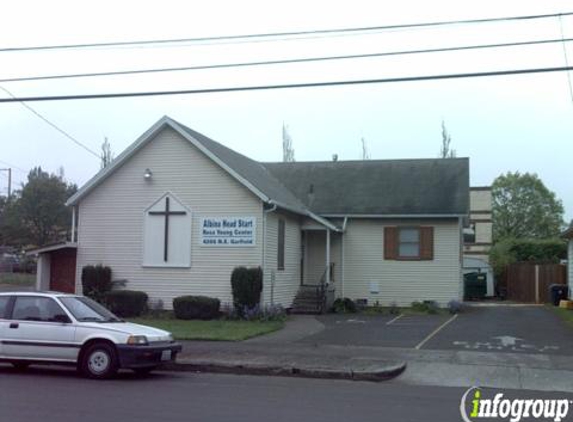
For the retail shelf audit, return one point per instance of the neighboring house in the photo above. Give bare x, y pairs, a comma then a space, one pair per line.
177, 211
478, 235
568, 234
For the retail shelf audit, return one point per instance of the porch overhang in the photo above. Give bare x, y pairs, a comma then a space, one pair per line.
52, 248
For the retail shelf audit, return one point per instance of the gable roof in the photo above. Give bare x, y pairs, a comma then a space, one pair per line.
251, 174
404, 188
422, 187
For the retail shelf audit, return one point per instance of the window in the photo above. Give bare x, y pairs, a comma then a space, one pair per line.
409, 243
30, 308
84, 309
3, 305
281, 246
470, 234
167, 238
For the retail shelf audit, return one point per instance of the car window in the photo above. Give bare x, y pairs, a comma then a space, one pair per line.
85, 309
3, 305
30, 308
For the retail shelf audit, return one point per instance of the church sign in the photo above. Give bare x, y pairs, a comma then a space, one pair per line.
228, 231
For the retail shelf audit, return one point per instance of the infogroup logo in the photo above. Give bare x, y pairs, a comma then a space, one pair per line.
514, 410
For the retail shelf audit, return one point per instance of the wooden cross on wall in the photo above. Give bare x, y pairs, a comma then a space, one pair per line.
166, 213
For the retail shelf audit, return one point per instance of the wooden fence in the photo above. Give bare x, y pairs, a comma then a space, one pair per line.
529, 282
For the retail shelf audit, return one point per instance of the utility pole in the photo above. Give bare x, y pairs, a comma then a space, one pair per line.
9, 170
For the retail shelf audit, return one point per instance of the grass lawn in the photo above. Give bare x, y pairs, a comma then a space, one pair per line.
212, 330
565, 314
18, 279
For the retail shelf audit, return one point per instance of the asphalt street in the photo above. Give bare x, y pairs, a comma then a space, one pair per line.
57, 394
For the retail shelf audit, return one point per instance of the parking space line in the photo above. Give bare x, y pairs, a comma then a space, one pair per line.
436, 331
395, 319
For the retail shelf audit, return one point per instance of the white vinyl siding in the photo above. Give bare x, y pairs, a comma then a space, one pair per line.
287, 281
111, 223
401, 281
570, 266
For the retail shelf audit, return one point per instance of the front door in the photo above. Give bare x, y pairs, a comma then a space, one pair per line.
63, 270
35, 331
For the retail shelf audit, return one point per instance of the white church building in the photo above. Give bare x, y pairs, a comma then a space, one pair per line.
176, 212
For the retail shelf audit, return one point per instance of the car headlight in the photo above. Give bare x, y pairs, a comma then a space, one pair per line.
137, 340
170, 337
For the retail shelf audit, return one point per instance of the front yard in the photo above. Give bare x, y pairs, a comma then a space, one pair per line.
223, 330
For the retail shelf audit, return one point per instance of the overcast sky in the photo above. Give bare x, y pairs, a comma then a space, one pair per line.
509, 123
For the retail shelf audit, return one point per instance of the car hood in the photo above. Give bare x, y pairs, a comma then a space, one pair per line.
152, 334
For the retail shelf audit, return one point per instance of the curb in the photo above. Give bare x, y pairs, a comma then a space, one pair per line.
376, 374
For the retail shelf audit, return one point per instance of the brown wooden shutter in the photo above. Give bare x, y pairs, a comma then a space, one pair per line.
390, 243
427, 243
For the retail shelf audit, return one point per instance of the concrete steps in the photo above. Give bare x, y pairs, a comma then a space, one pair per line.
308, 301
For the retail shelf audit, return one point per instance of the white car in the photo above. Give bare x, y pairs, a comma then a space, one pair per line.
51, 327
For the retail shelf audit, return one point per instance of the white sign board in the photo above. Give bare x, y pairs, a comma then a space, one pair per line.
228, 231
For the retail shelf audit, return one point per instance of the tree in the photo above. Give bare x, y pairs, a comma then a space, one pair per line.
523, 208
365, 152
288, 150
446, 151
40, 207
106, 154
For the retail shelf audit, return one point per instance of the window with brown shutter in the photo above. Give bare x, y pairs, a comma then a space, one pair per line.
427, 243
390, 242
409, 243
281, 246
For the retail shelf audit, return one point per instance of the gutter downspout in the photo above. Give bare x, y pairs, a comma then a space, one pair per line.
461, 272
265, 212
73, 234
342, 256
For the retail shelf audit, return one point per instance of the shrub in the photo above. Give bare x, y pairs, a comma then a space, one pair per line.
96, 282
428, 307
455, 307
508, 251
344, 305
394, 309
126, 303
196, 307
256, 313
247, 285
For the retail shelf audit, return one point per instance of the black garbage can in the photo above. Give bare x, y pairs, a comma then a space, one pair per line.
557, 293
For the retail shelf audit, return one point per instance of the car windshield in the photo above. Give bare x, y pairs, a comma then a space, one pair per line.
85, 309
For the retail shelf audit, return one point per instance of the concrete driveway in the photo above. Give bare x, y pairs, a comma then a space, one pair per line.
499, 329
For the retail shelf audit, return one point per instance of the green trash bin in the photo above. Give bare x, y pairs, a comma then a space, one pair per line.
475, 286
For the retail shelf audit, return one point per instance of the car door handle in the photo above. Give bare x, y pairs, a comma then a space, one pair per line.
14, 325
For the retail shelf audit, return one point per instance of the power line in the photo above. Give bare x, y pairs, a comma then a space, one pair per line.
62, 131
290, 86
288, 61
285, 34
566, 58
14, 167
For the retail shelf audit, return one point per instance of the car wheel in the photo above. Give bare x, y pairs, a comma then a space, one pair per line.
20, 366
99, 361
144, 371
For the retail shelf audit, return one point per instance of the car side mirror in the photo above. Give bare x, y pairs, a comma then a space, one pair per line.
64, 319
